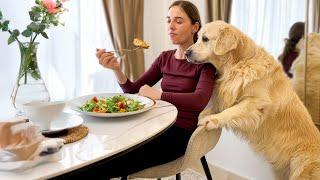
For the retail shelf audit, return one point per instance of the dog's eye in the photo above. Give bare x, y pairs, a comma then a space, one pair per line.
205, 39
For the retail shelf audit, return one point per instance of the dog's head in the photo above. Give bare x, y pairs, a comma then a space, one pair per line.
313, 41
216, 39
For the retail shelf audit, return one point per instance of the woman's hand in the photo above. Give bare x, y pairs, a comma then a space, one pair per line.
150, 92
107, 60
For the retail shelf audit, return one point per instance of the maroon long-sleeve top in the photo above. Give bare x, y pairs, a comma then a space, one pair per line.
188, 86
288, 61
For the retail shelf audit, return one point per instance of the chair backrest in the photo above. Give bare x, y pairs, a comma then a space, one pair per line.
200, 143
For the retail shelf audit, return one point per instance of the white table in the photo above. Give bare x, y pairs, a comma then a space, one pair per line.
107, 138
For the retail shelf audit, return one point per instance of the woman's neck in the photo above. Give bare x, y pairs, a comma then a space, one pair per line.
181, 49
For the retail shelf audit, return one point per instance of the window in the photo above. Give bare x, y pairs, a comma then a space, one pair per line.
267, 22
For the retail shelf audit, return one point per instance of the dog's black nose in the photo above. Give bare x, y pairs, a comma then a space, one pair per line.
188, 53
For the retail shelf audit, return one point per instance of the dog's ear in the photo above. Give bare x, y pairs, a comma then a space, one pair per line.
226, 41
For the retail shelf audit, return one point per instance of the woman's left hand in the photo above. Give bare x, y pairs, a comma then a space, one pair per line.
150, 92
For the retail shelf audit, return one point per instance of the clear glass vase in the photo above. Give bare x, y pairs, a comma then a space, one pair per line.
29, 84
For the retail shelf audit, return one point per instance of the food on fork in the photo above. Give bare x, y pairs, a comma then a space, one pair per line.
140, 43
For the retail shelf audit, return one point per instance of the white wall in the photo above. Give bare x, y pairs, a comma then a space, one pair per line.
231, 153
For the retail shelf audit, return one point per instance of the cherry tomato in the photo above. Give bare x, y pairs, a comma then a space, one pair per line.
95, 110
120, 105
95, 99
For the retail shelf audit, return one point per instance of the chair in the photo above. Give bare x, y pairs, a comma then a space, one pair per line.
200, 143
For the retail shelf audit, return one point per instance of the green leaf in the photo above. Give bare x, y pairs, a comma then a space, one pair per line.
42, 27
27, 33
34, 15
55, 23
1, 16
36, 9
38, 1
5, 25
11, 39
34, 27
31, 14
16, 33
44, 35
35, 75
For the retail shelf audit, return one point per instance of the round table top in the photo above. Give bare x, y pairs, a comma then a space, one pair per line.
107, 137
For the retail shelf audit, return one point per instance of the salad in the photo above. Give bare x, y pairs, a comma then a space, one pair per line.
115, 104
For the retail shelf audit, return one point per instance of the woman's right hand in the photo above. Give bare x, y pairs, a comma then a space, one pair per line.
107, 60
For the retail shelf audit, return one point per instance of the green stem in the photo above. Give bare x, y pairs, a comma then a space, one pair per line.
32, 41
25, 77
43, 21
31, 36
20, 71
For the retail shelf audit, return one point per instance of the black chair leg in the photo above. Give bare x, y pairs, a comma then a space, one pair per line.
206, 167
124, 178
178, 176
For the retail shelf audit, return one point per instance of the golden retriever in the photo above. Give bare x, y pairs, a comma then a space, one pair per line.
312, 77
255, 99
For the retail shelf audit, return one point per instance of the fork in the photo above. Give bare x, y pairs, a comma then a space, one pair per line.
124, 50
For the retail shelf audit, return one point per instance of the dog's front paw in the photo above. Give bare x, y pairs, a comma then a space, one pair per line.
210, 122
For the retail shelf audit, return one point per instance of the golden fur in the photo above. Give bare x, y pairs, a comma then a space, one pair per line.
255, 99
313, 75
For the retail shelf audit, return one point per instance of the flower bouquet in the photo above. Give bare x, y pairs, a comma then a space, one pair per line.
29, 85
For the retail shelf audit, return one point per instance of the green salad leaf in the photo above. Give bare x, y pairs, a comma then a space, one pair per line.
115, 104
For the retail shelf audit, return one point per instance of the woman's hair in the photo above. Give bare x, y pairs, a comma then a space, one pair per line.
193, 13
295, 34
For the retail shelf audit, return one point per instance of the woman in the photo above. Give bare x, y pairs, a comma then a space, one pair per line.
290, 52
188, 86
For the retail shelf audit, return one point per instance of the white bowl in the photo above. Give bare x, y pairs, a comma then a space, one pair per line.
42, 113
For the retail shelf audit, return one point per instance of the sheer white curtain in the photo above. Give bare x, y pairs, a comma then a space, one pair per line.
94, 34
59, 56
267, 22
72, 66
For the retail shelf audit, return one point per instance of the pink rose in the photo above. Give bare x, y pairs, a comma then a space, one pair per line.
51, 6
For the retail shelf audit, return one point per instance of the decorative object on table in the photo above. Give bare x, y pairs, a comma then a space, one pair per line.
29, 85
22, 145
43, 113
63, 122
77, 104
71, 135
50, 116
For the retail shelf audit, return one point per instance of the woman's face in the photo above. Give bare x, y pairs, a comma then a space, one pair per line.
179, 27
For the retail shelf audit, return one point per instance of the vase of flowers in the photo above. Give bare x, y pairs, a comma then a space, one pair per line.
29, 85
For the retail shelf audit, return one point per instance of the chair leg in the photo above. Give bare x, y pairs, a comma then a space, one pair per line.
206, 167
178, 176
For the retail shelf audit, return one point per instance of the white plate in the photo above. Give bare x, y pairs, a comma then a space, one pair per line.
78, 102
62, 122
